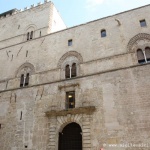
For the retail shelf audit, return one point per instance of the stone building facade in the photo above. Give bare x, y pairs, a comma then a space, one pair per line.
79, 88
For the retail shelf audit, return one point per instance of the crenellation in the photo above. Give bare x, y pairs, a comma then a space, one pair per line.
25, 9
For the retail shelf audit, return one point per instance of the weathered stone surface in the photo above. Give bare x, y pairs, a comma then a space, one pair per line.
112, 103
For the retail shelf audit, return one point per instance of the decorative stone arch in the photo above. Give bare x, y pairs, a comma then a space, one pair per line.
69, 58
59, 119
26, 67
70, 54
28, 29
62, 121
33, 26
140, 40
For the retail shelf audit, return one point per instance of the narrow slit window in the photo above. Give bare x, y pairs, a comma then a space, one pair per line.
21, 115
140, 56
0, 126
103, 33
67, 71
73, 70
28, 34
147, 54
31, 35
70, 42
143, 23
70, 99
27, 80
22, 80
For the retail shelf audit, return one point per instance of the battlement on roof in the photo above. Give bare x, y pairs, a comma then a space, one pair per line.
16, 11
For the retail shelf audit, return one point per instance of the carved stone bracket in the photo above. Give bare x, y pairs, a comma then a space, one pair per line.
73, 111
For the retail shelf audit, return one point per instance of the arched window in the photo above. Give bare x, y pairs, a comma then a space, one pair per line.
147, 54
27, 80
22, 80
140, 56
73, 70
28, 34
31, 35
103, 33
67, 71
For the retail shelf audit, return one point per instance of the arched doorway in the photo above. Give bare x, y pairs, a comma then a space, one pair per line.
70, 138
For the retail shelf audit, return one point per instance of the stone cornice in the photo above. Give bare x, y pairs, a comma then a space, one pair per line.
66, 86
73, 111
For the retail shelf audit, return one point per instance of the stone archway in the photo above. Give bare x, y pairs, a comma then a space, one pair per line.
59, 119
71, 137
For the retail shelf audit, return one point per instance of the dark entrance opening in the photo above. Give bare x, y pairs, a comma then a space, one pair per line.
70, 138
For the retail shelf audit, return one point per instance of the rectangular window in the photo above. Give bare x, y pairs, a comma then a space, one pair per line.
70, 42
70, 99
143, 23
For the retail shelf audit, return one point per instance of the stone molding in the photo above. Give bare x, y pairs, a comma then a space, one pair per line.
140, 36
73, 111
70, 54
59, 121
25, 65
67, 86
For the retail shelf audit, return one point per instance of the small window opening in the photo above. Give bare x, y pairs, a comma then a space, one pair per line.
103, 33
21, 116
26, 146
140, 56
73, 70
147, 54
67, 71
143, 55
40, 34
22, 80
0, 126
70, 42
28, 34
143, 23
27, 80
70, 99
26, 53
31, 35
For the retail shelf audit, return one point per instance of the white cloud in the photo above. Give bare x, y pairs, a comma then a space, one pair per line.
93, 3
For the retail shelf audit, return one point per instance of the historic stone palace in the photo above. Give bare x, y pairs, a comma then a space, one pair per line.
81, 88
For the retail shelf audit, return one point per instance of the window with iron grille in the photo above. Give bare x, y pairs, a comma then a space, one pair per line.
70, 99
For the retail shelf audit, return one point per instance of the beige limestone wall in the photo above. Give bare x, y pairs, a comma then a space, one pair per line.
122, 115
109, 78
14, 28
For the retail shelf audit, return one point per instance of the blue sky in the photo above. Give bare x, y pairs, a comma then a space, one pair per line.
75, 12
